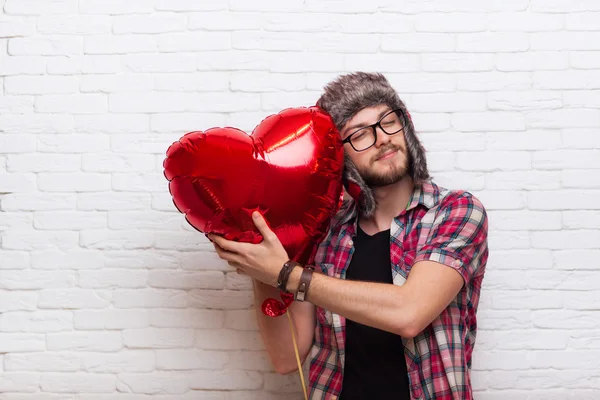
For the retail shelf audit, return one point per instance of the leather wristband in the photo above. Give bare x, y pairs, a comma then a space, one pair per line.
284, 275
305, 279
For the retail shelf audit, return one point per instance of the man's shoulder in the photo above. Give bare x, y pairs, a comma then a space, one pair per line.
456, 198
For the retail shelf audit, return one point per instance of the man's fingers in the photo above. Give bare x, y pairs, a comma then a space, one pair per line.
262, 226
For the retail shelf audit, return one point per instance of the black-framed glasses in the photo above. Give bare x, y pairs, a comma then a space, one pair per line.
365, 137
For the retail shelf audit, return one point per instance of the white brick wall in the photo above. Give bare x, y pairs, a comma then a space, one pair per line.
106, 293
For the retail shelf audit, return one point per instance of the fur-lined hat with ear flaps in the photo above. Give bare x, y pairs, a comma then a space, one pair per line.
345, 97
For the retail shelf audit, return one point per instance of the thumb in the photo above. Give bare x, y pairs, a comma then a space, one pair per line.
262, 226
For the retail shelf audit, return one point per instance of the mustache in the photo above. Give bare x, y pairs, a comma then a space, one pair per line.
388, 148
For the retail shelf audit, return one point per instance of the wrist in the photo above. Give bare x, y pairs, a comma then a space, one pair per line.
294, 280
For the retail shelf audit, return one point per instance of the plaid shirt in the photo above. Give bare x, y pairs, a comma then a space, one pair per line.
448, 227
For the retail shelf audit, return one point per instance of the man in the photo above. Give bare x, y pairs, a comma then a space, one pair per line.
390, 312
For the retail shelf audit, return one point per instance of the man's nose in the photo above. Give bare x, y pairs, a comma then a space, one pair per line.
382, 137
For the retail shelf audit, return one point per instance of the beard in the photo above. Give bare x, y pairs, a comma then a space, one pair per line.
396, 174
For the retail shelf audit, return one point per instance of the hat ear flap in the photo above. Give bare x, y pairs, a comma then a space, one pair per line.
357, 188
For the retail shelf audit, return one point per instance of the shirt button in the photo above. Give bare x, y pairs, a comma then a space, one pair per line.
350, 243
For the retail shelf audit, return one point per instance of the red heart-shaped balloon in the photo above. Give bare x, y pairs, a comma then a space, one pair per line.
289, 169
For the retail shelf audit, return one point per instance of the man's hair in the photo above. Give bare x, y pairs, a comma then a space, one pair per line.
344, 97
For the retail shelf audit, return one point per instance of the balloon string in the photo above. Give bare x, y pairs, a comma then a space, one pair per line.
297, 353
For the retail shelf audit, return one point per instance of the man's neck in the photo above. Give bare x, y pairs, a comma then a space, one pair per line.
391, 201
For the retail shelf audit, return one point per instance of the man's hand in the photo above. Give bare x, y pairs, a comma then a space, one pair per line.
261, 261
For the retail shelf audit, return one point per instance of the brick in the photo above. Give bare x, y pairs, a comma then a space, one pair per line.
21, 342
566, 159
116, 240
70, 259
581, 219
380, 62
37, 202
158, 338
525, 22
77, 383
119, 44
516, 101
111, 162
17, 182
19, 382
493, 80
199, 81
149, 298
31, 240
111, 123
582, 300
523, 180
47, 45
492, 42
235, 281
18, 301
528, 140
73, 298
567, 239
141, 182
494, 160
111, 319
452, 62
525, 220
504, 320
32, 124
508, 121
147, 144
530, 339
243, 320
71, 143
265, 82
153, 383
69, 25
276, 383
46, 361
150, 63
575, 259
154, 23
115, 7
416, 7
241, 61
587, 99
193, 41
563, 118
464, 180
572, 79
566, 199
43, 162
448, 102
226, 380
76, 181
17, 27
40, 7
116, 83
172, 122
441, 161
188, 5
585, 59
113, 278
140, 259
561, 6
186, 318
14, 259
72, 103
22, 65
191, 359
16, 105
36, 322
431, 122
16, 220
451, 22
116, 363
505, 240
532, 61
418, 42
584, 340
581, 179
248, 21
186, 279
347, 23
88, 64
565, 40
220, 300
112, 201
553, 319
28, 279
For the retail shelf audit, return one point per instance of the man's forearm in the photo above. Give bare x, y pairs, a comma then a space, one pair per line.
378, 305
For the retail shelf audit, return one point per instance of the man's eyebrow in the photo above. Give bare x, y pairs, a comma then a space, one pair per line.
355, 126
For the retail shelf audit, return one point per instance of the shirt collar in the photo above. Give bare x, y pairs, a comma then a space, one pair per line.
426, 194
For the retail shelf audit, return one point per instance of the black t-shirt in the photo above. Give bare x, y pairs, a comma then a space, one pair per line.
375, 367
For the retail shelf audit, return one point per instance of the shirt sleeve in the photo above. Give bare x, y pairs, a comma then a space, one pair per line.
458, 237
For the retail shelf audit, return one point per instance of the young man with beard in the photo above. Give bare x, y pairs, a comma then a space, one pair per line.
390, 312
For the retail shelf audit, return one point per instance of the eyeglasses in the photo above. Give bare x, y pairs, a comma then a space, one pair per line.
365, 137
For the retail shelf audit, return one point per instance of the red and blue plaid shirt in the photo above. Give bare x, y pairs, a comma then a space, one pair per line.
448, 227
